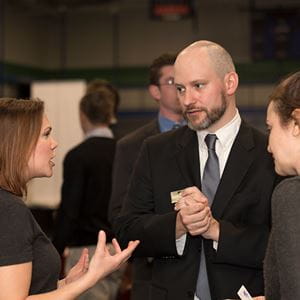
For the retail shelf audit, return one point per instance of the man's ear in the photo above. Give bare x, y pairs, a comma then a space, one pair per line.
231, 82
154, 91
296, 121
83, 121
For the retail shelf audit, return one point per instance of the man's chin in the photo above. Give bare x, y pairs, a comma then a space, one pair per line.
198, 125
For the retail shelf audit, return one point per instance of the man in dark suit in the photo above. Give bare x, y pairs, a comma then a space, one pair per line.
162, 89
86, 190
202, 250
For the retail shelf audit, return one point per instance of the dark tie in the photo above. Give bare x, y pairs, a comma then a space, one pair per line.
211, 174
210, 181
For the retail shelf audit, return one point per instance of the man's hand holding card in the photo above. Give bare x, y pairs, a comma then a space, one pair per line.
194, 213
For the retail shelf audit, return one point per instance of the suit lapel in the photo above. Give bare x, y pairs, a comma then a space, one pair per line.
187, 157
238, 163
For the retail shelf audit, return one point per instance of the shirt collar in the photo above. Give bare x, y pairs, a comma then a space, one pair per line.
100, 132
225, 134
166, 124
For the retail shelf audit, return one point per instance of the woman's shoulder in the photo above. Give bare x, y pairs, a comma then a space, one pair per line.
8, 199
288, 185
12, 206
16, 228
286, 193
15, 217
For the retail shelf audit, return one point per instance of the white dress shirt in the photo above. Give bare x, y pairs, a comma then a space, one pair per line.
99, 132
226, 136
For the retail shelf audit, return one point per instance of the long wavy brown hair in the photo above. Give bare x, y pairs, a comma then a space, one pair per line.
20, 126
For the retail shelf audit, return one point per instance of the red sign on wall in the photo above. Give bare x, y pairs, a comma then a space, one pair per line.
171, 9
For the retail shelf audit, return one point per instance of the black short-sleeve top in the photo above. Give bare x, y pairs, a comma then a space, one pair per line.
22, 240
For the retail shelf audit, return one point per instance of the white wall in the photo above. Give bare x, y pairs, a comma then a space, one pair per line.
61, 102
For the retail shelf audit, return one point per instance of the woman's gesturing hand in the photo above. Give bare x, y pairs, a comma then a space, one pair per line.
103, 262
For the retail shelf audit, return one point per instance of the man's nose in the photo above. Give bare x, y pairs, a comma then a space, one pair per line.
189, 97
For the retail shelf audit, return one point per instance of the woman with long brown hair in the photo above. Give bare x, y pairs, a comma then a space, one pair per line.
29, 264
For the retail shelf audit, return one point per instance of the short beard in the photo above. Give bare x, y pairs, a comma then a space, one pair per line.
211, 116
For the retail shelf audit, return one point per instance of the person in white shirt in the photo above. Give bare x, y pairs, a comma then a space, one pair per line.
86, 190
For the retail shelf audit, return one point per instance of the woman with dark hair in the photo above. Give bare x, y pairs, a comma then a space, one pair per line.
29, 264
282, 263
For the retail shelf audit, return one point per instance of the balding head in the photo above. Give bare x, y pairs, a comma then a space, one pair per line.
206, 83
218, 56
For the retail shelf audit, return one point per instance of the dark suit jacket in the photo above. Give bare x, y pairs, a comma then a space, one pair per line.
126, 154
85, 194
169, 162
120, 129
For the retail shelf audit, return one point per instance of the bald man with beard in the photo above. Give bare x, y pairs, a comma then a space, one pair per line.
204, 247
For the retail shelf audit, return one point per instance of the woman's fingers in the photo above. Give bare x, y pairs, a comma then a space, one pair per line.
116, 246
127, 252
101, 244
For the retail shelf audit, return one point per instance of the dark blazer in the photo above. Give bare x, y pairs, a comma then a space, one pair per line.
120, 129
169, 162
126, 154
85, 194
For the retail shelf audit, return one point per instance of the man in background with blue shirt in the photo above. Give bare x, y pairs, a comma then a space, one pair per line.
162, 90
